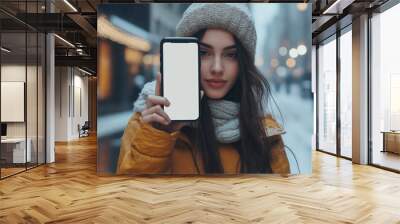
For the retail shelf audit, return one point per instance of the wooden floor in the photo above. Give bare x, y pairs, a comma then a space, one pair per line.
5, 172
69, 191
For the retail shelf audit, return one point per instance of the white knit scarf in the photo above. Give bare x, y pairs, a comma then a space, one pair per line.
224, 115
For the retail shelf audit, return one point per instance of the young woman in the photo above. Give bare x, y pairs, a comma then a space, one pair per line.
233, 134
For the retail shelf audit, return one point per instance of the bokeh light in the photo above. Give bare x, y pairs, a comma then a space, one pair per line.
274, 63
290, 62
302, 49
282, 51
293, 53
298, 72
281, 71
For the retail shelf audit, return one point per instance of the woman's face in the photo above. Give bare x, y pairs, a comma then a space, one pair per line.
219, 65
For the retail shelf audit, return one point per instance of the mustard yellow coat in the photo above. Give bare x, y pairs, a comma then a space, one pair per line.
147, 150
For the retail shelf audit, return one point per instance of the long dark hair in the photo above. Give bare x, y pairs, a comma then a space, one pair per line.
250, 90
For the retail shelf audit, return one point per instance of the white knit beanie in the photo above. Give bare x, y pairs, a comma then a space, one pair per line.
233, 17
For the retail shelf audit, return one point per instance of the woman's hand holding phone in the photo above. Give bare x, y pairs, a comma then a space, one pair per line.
154, 113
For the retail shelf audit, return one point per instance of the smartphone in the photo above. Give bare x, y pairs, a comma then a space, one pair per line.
180, 77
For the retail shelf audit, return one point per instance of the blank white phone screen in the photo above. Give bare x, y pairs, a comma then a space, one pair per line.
181, 80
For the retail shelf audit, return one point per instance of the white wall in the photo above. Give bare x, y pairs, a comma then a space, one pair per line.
12, 73
33, 126
71, 93
16, 73
12, 100
61, 103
